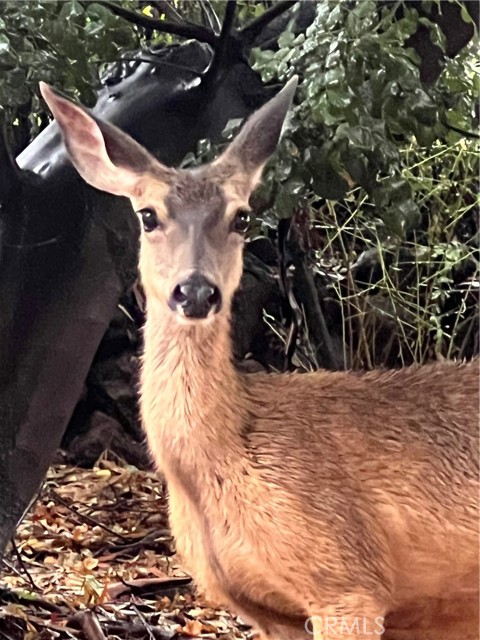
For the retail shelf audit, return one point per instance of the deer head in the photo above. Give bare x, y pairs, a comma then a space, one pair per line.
193, 222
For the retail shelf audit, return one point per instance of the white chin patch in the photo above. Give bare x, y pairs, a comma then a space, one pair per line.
191, 322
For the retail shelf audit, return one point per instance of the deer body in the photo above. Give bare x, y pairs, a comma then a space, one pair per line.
352, 478
324, 504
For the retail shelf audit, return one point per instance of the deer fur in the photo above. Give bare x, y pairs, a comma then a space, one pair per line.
320, 505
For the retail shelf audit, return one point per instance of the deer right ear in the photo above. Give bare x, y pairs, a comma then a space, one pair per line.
104, 156
258, 139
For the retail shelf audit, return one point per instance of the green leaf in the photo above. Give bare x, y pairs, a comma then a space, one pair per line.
259, 10
16, 78
466, 17
325, 180
357, 136
71, 10
364, 9
424, 109
285, 202
393, 198
4, 44
338, 98
335, 16
286, 39
357, 167
333, 77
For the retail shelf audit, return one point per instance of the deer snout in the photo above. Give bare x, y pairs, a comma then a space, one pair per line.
195, 298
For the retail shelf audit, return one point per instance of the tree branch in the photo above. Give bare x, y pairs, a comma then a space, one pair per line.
327, 351
252, 30
227, 24
222, 42
185, 30
210, 15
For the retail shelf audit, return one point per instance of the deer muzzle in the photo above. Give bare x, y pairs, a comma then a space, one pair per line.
195, 298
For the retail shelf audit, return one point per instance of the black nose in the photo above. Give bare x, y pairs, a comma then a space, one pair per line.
195, 297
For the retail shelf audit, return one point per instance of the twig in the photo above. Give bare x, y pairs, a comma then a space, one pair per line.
7, 595
91, 626
222, 42
140, 585
10, 566
131, 630
144, 542
23, 566
295, 315
85, 518
209, 12
463, 132
252, 30
227, 25
306, 293
185, 30
144, 621
16, 623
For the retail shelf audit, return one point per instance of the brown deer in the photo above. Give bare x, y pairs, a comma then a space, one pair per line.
320, 505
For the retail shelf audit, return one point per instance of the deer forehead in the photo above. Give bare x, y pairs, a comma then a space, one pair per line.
191, 196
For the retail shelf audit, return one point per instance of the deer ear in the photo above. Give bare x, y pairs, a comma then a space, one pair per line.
259, 137
104, 156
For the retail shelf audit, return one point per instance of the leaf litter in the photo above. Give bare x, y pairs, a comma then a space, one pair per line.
94, 560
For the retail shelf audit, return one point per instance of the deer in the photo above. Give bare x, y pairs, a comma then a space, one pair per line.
315, 505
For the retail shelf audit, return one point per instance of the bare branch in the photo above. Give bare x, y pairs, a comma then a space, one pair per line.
326, 349
252, 30
211, 16
228, 21
185, 30
91, 626
222, 43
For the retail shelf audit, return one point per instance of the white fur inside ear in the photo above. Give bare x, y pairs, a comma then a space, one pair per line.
86, 147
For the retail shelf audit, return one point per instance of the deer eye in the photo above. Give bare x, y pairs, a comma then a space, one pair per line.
149, 219
241, 221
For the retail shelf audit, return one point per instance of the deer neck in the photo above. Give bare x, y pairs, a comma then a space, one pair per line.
191, 393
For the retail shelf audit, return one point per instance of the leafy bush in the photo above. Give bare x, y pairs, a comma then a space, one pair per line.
62, 42
372, 156
412, 299
391, 190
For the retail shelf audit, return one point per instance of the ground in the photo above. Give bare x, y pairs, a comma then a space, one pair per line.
94, 559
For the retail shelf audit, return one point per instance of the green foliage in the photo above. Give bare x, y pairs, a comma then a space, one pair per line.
209, 14
369, 153
361, 99
67, 43
417, 299
391, 190
61, 42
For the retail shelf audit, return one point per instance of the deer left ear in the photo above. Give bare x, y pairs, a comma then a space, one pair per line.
259, 137
104, 156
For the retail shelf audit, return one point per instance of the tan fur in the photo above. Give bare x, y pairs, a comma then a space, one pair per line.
322, 494
321, 505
